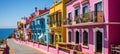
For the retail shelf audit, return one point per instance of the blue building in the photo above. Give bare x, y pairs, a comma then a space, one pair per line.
39, 27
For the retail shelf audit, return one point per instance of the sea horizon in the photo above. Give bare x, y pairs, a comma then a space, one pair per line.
5, 32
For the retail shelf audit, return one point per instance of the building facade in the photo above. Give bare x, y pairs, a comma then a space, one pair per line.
91, 24
39, 27
57, 15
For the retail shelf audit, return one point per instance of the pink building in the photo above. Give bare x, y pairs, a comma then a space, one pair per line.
93, 24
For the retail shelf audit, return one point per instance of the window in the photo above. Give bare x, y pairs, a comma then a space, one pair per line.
70, 15
45, 38
33, 23
99, 6
42, 23
38, 22
85, 9
69, 36
56, 38
56, 17
77, 37
76, 11
85, 37
60, 19
48, 20
51, 23
60, 38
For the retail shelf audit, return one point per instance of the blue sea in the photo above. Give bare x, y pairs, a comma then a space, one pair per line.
5, 32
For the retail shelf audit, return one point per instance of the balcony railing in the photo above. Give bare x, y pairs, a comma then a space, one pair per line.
115, 49
52, 49
70, 46
94, 17
58, 23
84, 18
68, 21
77, 19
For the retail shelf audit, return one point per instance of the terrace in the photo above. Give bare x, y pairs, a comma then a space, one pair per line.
87, 18
62, 48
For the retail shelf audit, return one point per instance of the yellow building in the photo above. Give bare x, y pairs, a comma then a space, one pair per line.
57, 15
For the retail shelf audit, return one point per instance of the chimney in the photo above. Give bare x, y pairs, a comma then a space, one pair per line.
35, 9
45, 8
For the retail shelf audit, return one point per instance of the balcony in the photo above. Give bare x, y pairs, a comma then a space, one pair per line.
51, 25
68, 21
58, 23
84, 18
90, 18
87, 17
77, 19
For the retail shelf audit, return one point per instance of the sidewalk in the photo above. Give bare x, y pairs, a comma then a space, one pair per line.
11, 50
22, 49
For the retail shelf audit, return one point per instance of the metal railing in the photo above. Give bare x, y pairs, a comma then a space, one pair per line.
115, 49
68, 21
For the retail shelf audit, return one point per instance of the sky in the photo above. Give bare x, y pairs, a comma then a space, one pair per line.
12, 11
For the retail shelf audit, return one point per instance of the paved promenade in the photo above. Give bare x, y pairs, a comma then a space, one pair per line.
22, 49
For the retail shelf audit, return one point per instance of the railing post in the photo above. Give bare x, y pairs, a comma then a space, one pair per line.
71, 52
38, 45
33, 44
47, 47
57, 49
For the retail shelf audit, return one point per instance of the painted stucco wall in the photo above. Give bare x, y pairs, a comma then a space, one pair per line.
59, 6
90, 49
91, 44
37, 25
45, 15
114, 34
70, 8
114, 10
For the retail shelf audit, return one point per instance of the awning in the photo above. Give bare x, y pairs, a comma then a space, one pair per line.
40, 36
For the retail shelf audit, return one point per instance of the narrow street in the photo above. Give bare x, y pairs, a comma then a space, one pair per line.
22, 49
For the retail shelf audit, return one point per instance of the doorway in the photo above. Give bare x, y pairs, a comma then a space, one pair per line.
52, 39
99, 43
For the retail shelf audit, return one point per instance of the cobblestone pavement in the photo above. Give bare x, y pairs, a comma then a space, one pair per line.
22, 49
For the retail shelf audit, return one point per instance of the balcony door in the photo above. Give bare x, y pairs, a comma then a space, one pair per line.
98, 12
52, 38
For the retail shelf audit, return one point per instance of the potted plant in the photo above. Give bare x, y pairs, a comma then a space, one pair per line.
91, 19
84, 19
65, 21
69, 21
77, 20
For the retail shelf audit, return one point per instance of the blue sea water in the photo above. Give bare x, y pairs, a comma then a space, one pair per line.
5, 32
